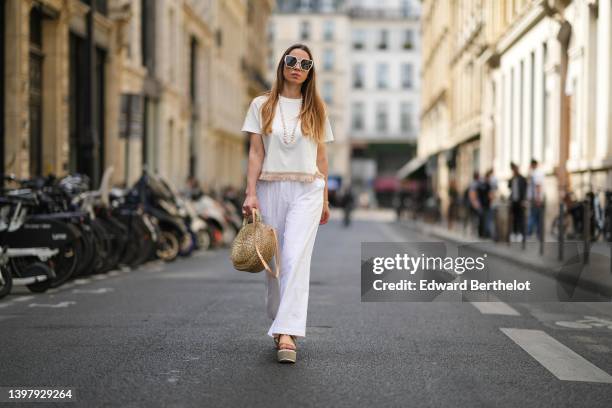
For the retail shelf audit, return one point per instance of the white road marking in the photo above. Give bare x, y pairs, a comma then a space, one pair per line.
573, 325
173, 376
561, 361
23, 298
3, 305
185, 275
587, 323
495, 308
93, 291
113, 273
54, 306
81, 281
99, 277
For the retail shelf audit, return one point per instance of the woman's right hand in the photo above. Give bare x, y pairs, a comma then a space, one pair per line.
250, 202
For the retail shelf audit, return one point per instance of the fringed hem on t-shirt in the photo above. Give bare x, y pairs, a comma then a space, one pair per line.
291, 176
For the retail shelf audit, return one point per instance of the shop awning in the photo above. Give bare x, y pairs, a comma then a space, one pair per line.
410, 167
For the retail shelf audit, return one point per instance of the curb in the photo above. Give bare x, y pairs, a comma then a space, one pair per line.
547, 268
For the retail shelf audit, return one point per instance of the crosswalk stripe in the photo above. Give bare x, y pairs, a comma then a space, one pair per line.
495, 308
560, 360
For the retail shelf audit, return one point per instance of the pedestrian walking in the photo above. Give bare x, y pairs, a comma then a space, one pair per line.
348, 202
489, 188
483, 192
287, 182
454, 203
535, 195
518, 192
475, 205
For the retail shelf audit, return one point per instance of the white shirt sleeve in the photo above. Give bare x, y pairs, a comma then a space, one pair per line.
329, 135
252, 121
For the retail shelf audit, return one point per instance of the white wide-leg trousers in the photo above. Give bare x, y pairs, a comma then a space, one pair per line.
294, 209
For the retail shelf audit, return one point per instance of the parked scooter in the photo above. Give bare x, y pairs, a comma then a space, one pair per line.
222, 228
159, 202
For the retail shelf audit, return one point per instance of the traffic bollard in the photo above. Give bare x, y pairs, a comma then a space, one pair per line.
561, 230
587, 231
525, 229
541, 226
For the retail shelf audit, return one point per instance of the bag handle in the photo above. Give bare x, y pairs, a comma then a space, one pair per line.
276, 255
254, 215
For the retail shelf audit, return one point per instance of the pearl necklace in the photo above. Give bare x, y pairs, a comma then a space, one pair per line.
286, 139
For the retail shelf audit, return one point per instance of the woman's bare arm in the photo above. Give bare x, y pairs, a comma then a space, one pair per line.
256, 157
322, 164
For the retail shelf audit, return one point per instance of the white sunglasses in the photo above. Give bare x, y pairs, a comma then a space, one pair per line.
304, 64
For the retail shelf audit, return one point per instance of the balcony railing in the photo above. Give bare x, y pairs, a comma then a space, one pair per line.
381, 13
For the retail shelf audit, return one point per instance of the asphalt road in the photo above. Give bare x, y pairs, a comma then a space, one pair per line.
193, 334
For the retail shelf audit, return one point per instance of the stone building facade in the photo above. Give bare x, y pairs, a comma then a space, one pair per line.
51, 122
531, 78
157, 84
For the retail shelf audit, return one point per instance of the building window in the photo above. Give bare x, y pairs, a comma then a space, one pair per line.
171, 48
357, 119
271, 60
381, 117
358, 39
271, 32
406, 116
382, 76
408, 39
407, 74
328, 92
327, 6
384, 39
328, 30
328, 59
219, 37
250, 11
358, 76
405, 8
305, 30
193, 69
305, 5
36, 59
146, 35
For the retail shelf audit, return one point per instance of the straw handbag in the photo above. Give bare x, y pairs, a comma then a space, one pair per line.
255, 245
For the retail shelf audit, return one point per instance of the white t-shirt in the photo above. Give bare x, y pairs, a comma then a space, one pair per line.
536, 178
294, 161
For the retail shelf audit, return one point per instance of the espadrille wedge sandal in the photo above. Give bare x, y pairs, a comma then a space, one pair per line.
286, 352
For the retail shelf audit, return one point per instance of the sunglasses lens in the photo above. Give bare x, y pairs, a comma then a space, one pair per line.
290, 60
306, 64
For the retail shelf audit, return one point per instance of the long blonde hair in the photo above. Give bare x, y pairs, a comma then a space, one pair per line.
312, 113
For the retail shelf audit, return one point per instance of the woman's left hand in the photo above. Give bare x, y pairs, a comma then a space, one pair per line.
325, 214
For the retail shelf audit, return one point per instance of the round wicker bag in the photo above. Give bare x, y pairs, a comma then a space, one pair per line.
254, 246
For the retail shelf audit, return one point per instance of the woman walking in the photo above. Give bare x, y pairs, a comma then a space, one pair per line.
287, 182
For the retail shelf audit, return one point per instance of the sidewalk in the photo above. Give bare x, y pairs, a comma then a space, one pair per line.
596, 276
